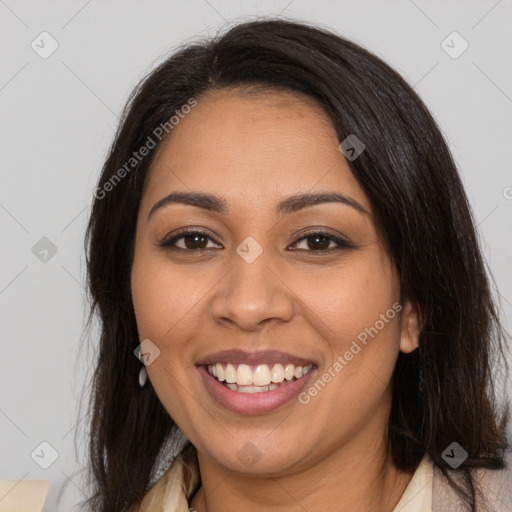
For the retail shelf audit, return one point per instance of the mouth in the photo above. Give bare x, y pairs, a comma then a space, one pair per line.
252, 389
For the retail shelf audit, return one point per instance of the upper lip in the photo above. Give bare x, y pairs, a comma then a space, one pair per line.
251, 358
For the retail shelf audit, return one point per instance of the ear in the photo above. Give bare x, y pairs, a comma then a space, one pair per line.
411, 328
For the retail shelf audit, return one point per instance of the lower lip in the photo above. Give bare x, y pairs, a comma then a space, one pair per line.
253, 403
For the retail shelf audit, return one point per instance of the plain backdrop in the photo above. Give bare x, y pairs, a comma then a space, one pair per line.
58, 114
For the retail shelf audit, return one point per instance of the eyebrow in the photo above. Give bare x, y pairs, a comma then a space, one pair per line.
287, 206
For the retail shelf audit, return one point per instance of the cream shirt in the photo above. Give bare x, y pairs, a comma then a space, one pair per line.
417, 497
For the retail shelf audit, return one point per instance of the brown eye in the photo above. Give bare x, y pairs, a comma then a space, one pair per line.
189, 240
320, 241
195, 241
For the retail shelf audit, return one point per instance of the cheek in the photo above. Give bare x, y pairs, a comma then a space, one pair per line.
351, 299
357, 313
164, 310
165, 298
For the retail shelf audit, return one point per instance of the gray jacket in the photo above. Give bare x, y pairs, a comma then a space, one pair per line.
496, 486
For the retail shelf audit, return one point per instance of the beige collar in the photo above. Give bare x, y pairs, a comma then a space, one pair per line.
417, 497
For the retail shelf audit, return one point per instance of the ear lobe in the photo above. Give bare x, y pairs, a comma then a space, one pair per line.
411, 328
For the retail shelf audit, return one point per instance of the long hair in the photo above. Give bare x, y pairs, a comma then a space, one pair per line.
444, 391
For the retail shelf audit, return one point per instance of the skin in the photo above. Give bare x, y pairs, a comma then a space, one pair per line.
254, 150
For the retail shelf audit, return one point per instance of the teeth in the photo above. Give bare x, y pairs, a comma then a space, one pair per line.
277, 373
305, 369
220, 372
289, 372
263, 377
230, 374
251, 389
243, 375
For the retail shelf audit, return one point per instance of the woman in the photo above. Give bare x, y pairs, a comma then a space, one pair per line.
281, 237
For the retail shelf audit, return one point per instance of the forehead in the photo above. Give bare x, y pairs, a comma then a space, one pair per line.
257, 147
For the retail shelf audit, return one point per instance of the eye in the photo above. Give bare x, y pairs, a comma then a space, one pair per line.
192, 240
320, 241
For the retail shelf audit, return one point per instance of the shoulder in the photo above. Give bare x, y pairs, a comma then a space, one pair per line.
494, 485
497, 486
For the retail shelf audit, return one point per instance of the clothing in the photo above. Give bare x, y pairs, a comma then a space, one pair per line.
23, 495
417, 497
428, 490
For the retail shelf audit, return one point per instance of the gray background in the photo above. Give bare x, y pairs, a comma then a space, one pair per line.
58, 118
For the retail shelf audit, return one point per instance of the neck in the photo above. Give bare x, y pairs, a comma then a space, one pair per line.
356, 478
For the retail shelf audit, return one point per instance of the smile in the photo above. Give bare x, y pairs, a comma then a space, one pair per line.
255, 389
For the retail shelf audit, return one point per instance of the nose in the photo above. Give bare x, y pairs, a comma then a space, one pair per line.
252, 295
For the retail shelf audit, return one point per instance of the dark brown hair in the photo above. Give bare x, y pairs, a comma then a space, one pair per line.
444, 391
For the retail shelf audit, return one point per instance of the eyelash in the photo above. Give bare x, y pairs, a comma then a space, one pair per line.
341, 244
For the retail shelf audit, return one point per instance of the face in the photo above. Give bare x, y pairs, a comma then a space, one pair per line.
274, 280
